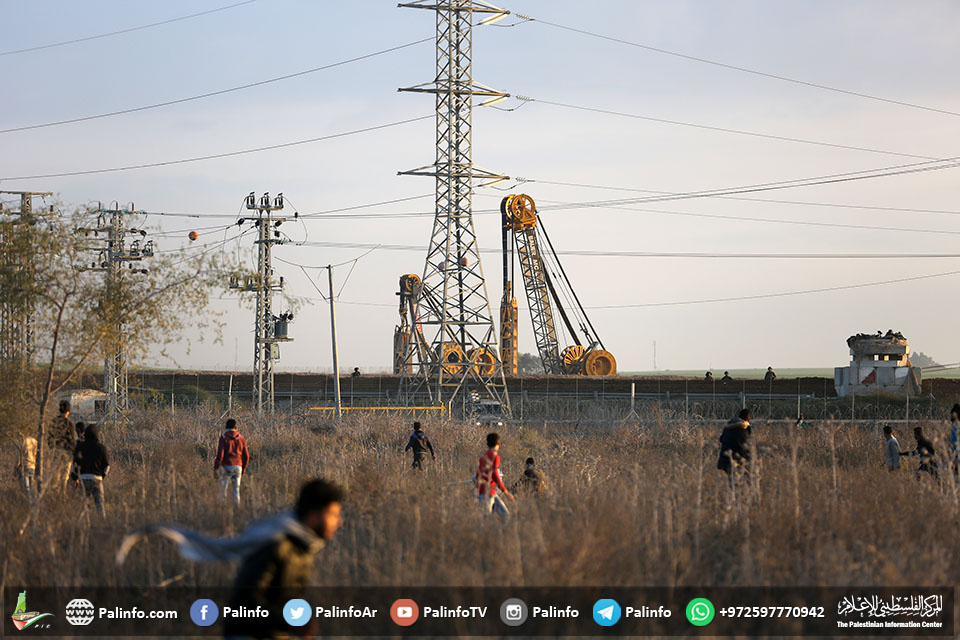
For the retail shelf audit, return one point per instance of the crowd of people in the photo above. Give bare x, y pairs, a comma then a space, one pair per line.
276, 555
76, 457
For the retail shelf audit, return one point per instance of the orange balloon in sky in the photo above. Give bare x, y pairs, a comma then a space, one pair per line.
193, 235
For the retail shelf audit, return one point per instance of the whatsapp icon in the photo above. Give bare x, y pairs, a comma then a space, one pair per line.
700, 612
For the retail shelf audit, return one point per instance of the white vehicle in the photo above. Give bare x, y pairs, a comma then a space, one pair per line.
488, 413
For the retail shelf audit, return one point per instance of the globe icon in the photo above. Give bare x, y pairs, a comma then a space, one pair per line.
80, 612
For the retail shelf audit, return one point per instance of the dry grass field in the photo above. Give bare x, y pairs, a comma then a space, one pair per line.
628, 505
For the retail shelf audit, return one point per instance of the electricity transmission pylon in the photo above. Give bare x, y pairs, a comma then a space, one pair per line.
453, 307
16, 322
112, 256
269, 330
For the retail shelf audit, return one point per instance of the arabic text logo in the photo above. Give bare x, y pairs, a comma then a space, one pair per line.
23, 619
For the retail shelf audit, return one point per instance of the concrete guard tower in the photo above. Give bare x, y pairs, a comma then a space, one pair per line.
880, 363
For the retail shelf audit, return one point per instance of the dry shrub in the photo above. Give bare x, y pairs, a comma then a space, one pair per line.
627, 505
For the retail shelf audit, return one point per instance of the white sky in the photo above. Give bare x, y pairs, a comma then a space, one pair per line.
901, 51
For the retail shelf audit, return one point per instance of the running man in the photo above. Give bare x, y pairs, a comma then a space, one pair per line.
488, 480
420, 444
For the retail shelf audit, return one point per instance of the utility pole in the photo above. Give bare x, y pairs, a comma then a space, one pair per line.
16, 325
268, 330
333, 338
453, 305
111, 259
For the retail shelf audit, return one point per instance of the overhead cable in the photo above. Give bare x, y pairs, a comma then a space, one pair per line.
219, 155
121, 31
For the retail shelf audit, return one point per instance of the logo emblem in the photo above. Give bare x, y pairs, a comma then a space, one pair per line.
404, 612
80, 612
204, 612
513, 612
606, 612
23, 619
297, 612
700, 612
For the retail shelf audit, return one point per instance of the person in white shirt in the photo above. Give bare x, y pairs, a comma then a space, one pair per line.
892, 449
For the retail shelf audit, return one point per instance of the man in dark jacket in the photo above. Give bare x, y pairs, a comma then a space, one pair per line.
61, 442
233, 456
281, 569
928, 460
735, 447
532, 481
420, 444
90, 456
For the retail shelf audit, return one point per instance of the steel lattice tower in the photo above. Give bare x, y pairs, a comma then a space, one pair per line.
453, 308
16, 324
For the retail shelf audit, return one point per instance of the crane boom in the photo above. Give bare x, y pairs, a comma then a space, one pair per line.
519, 215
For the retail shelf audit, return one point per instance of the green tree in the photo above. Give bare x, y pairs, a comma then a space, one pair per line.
49, 270
529, 364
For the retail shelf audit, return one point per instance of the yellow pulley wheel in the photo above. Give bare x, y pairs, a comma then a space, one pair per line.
523, 212
599, 363
483, 361
571, 359
451, 357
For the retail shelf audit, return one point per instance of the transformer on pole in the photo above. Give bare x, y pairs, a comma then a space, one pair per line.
269, 330
459, 351
112, 257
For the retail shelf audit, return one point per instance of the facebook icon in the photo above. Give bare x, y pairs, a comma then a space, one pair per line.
204, 612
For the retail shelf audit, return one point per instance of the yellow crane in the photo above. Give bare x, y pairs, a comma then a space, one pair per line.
547, 287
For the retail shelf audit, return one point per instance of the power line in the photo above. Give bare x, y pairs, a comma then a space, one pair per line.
214, 93
850, 176
121, 31
781, 294
742, 69
664, 254
792, 202
220, 155
761, 296
722, 129
807, 223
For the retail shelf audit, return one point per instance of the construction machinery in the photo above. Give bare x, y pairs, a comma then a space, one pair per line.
547, 287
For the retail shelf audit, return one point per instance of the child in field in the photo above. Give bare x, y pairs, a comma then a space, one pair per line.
90, 457
532, 481
892, 449
927, 454
233, 456
420, 443
488, 480
735, 448
27, 464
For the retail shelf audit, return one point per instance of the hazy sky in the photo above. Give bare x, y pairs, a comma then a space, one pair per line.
897, 50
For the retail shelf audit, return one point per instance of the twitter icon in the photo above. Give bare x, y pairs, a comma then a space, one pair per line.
297, 612
606, 612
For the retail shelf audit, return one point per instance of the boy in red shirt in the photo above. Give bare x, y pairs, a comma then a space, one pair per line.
488, 480
233, 456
